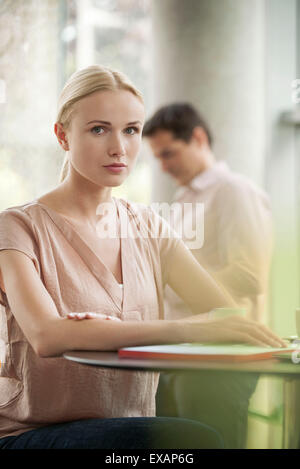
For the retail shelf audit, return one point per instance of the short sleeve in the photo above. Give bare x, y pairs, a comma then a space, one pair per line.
17, 233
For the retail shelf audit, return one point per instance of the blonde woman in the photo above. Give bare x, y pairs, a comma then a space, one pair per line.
55, 265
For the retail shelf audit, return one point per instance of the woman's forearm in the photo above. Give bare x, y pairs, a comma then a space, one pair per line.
195, 286
64, 334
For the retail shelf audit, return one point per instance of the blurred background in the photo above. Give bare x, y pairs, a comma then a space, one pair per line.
236, 60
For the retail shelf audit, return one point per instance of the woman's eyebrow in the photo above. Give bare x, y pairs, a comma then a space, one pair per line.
109, 123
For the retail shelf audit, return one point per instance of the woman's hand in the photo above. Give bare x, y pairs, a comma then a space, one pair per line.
89, 315
235, 329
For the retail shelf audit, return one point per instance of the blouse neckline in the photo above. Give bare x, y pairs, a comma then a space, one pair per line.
99, 269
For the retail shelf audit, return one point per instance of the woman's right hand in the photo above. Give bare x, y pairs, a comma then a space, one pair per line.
232, 329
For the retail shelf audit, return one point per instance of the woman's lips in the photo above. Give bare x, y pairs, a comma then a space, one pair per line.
115, 169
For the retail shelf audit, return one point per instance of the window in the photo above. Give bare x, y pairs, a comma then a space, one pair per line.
42, 44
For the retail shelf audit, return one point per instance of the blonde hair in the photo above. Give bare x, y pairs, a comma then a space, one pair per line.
83, 83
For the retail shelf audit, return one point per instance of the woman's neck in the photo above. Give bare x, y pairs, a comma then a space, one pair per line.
78, 203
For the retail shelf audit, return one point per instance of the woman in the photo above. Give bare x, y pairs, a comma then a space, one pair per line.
54, 262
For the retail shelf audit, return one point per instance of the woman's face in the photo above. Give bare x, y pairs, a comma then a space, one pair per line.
104, 136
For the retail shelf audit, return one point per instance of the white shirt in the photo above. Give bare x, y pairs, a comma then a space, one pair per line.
237, 243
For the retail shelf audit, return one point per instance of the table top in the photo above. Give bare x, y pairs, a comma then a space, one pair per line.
273, 366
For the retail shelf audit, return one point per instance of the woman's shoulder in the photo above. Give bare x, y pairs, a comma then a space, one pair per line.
153, 219
149, 214
135, 209
23, 220
18, 230
25, 212
15, 210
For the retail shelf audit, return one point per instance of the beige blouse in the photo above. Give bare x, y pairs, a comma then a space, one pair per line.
36, 391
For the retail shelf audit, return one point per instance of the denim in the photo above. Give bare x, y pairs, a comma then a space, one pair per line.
217, 399
118, 433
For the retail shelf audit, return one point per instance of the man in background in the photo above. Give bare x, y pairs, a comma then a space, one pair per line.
236, 251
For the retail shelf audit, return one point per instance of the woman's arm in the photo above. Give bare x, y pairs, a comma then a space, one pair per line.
194, 284
51, 335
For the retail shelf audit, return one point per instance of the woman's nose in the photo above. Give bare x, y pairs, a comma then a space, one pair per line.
116, 146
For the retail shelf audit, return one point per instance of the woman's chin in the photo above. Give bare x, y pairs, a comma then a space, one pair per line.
114, 181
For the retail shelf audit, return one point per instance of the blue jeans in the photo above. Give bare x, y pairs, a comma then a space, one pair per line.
118, 433
217, 399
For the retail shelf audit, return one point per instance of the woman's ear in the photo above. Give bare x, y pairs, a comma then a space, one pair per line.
61, 136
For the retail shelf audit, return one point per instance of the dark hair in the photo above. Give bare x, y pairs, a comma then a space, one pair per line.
179, 118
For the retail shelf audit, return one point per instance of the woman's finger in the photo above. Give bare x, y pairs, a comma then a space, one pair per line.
90, 315
79, 316
258, 334
243, 337
275, 336
256, 330
75, 316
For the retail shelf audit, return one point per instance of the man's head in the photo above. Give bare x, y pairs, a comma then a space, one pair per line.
180, 138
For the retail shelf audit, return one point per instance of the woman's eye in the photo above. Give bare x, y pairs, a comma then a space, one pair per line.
131, 130
97, 130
